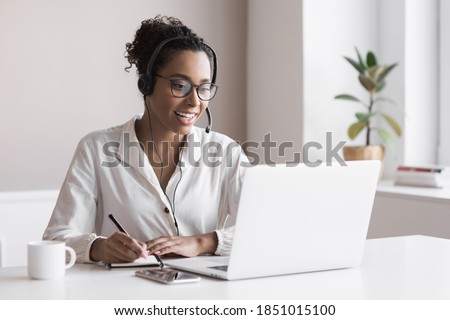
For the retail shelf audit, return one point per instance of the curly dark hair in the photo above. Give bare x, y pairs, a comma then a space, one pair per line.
151, 33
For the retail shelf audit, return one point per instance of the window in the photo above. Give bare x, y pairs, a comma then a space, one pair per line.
444, 84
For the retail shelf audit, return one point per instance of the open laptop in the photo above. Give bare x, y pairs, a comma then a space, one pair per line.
296, 219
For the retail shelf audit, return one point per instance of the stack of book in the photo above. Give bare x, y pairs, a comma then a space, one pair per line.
423, 176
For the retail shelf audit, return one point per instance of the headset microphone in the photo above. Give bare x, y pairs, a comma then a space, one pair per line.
208, 113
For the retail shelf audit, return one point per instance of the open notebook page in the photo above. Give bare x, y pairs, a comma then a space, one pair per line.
150, 261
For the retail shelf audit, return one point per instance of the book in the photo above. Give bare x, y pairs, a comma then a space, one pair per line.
423, 176
150, 261
429, 169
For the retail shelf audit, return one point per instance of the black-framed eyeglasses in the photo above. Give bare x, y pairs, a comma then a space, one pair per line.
181, 88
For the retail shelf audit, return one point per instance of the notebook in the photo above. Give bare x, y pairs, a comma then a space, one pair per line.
296, 219
150, 261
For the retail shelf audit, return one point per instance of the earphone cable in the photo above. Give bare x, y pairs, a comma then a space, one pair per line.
171, 203
179, 180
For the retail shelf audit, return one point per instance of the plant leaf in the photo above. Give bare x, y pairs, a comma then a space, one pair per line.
361, 116
360, 60
373, 72
347, 97
355, 64
387, 138
355, 129
371, 59
386, 71
367, 83
378, 72
393, 123
380, 86
383, 99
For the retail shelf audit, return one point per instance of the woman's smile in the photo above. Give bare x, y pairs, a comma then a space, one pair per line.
186, 118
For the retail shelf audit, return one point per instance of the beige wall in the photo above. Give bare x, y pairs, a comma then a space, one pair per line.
275, 75
62, 76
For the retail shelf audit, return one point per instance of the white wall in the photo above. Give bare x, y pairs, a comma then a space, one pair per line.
62, 76
274, 74
23, 218
331, 30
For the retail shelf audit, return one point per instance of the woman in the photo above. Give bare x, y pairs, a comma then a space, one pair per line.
174, 187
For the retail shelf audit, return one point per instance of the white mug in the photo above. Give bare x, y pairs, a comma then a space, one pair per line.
47, 259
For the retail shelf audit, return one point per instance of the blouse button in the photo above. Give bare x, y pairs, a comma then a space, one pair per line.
166, 210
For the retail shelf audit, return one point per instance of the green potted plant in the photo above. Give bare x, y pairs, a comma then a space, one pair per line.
372, 76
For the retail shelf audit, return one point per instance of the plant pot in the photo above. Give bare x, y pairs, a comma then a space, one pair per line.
372, 152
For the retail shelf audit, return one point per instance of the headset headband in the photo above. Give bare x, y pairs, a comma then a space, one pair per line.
163, 43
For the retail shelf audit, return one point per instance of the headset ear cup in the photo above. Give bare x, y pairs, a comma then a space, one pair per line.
145, 84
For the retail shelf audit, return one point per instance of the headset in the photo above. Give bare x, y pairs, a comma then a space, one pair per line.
146, 82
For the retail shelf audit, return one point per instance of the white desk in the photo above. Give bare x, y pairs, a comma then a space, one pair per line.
412, 267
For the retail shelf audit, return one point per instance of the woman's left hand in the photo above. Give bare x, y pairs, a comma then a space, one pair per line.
184, 246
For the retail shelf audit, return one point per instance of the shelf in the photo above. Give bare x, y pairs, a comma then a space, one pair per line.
387, 188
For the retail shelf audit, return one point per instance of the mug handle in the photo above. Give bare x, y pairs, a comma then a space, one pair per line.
73, 257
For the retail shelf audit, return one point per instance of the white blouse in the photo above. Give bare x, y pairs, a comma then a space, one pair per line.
110, 173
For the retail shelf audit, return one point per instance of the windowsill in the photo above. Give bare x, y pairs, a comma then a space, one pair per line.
387, 188
24, 196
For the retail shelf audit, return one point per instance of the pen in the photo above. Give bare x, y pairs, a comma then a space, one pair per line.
121, 229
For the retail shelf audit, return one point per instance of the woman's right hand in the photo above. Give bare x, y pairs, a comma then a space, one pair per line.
119, 247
